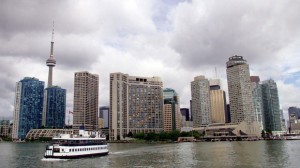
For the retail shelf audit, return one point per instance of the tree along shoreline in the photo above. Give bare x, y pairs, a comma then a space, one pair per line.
162, 137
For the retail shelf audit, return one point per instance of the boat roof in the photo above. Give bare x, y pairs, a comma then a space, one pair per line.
78, 138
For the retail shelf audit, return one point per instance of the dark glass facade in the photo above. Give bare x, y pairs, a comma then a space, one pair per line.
104, 113
30, 105
55, 107
185, 112
272, 119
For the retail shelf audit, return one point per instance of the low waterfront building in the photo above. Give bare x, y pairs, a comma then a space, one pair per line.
47, 133
234, 130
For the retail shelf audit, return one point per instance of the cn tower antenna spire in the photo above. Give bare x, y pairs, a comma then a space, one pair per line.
53, 32
52, 41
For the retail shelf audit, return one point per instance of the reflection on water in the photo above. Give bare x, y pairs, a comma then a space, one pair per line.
203, 154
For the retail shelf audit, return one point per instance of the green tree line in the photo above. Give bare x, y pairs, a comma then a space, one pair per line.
165, 136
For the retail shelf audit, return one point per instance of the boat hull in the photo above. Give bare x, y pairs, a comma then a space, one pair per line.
77, 156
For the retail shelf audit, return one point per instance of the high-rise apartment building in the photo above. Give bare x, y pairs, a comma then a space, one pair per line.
54, 107
136, 105
257, 100
200, 101
28, 107
217, 101
171, 114
239, 90
272, 119
85, 112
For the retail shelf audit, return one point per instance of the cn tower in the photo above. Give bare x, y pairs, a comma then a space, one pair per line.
51, 61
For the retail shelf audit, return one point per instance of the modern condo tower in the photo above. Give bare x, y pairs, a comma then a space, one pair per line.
51, 62
240, 90
54, 107
171, 110
271, 107
200, 101
28, 107
217, 101
85, 112
136, 105
257, 100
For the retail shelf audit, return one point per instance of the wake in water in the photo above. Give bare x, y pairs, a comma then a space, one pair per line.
53, 159
115, 153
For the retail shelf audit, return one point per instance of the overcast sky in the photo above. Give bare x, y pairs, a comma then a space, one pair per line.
175, 40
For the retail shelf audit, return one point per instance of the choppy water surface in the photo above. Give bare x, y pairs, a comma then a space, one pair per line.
191, 154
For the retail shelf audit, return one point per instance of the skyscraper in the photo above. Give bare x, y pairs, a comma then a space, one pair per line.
28, 107
185, 113
171, 110
51, 61
104, 113
217, 101
136, 105
271, 107
239, 90
257, 100
86, 88
200, 101
54, 107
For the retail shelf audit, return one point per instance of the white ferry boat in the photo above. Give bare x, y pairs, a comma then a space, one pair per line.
68, 146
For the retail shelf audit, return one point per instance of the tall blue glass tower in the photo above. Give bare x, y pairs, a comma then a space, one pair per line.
54, 107
28, 106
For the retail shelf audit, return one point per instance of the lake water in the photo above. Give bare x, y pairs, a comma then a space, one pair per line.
190, 154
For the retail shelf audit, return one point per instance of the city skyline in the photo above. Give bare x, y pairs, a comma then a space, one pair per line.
175, 40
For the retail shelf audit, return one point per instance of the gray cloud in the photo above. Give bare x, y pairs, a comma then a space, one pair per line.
211, 31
